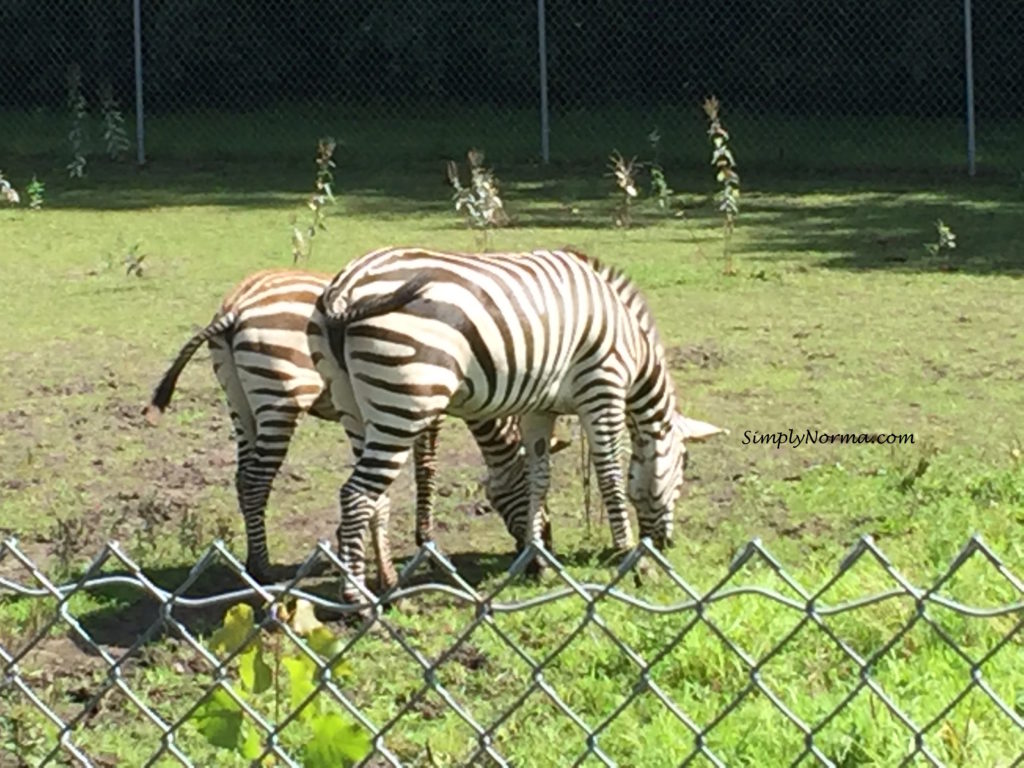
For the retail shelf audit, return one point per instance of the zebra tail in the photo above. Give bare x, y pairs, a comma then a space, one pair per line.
165, 389
372, 306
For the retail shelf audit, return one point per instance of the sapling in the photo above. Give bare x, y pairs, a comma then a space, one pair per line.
35, 191
722, 159
77, 135
660, 190
945, 241
479, 201
322, 195
624, 174
114, 135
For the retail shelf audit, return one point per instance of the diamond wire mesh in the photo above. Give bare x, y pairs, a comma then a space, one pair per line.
853, 84
167, 695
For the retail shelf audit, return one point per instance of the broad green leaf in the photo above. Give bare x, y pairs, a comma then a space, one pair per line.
238, 623
219, 719
327, 646
253, 670
335, 742
249, 747
300, 683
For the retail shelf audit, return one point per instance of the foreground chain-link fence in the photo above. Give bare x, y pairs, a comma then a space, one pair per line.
755, 668
857, 84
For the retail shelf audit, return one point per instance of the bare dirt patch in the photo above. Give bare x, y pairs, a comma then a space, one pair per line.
705, 355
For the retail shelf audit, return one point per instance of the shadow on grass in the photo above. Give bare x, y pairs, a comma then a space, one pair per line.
889, 231
128, 614
855, 221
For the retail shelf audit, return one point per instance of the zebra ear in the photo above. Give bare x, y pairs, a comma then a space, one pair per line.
691, 429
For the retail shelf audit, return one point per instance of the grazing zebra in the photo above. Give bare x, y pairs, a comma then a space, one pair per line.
413, 334
260, 352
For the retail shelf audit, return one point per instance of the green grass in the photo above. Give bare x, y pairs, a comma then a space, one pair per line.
838, 320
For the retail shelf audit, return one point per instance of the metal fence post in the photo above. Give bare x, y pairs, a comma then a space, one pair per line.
542, 52
140, 119
969, 87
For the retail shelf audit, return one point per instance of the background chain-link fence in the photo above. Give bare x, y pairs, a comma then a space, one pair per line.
757, 667
850, 84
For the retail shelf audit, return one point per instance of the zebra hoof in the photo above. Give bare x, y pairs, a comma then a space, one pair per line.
386, 582
644, 571
660, 541
423, 538
536, 568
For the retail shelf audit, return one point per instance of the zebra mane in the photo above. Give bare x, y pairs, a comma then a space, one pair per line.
607, 271
615, 276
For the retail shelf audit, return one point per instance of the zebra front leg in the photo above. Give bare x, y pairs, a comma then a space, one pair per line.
425, 466
536, 431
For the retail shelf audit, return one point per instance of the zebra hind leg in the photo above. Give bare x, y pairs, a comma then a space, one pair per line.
604, 431
255, 480
387, 576
425, 466
378, 463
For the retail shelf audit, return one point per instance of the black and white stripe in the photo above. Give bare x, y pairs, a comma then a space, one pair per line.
414, 334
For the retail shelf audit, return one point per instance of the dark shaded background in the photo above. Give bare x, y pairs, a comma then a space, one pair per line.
864, 57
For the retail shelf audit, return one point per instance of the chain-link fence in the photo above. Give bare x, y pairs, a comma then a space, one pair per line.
847, 84
756, 668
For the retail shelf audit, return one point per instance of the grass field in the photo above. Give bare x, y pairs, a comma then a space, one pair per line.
838, 320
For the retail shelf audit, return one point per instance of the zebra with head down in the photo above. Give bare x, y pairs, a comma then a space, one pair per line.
412, 334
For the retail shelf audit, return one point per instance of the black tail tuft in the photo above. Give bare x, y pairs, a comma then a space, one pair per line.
165, 389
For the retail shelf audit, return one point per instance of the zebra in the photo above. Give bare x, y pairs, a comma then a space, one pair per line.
635, 302
260, 353
412, 334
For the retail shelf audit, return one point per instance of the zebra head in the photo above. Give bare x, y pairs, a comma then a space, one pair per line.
656, 472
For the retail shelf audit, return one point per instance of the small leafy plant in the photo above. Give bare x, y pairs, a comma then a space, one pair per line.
115, 137
624, 174
7, 192
945, 240
322, 195
77, 135
722, 159
273, 675
133, 261
36, 191
480, 201
661, 193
